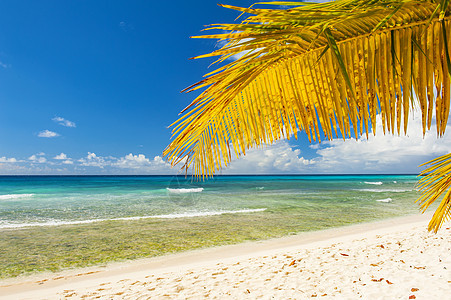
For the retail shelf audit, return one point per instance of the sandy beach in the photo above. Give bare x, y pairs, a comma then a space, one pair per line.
391, 259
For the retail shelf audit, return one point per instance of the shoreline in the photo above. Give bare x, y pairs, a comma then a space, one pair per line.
53, 284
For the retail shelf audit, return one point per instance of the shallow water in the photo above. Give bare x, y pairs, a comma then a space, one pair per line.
27, 201
53, 223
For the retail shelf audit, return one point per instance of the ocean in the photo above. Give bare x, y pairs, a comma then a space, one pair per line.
56, 200
50, 223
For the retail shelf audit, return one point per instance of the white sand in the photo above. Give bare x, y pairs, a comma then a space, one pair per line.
393, 259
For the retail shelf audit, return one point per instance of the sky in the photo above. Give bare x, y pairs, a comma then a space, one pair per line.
90, 87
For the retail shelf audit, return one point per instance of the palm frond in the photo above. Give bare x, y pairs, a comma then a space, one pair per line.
436, 182
323, 68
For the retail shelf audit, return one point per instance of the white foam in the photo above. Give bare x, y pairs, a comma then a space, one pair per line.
395, 181
388, 200
384, 190
373, 182
260, 188
168, 216
183, 191
15, 196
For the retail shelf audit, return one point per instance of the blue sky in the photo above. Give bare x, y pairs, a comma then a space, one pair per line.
89, 87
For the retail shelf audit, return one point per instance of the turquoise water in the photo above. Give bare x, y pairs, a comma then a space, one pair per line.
27, 201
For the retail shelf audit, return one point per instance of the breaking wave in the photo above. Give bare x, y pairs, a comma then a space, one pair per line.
168, 216
387, 200
373, 182
385, 190
15, 196
184, 191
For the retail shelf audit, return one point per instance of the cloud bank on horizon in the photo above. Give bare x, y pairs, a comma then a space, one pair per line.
391, 154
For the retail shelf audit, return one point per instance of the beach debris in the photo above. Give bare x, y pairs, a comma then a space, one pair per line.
414, 290
70, 295
56, 278
412, 297
247, 290
377, 280
389, 282
292, 263
344, 254
40, 282
382, 246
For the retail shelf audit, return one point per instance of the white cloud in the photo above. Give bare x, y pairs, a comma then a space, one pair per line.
37, 159
275, 159
64, 159
131, 161
48, 134
3, 65
377, 154
60, 156
64, 122
384, 153
125, 26
7, 160
141, 164
92, 160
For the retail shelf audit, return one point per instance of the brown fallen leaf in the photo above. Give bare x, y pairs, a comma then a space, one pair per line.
374, 265
402, 261
60, 277
292, 263
323, 295
248, 291
70, 295
419, 268
344, 254
314, 295
382, 246
389, 282
377, 280
412, 297
414, 289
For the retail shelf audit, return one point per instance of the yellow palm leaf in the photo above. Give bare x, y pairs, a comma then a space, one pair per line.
323, 68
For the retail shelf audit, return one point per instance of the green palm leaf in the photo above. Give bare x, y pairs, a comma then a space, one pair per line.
323, 68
